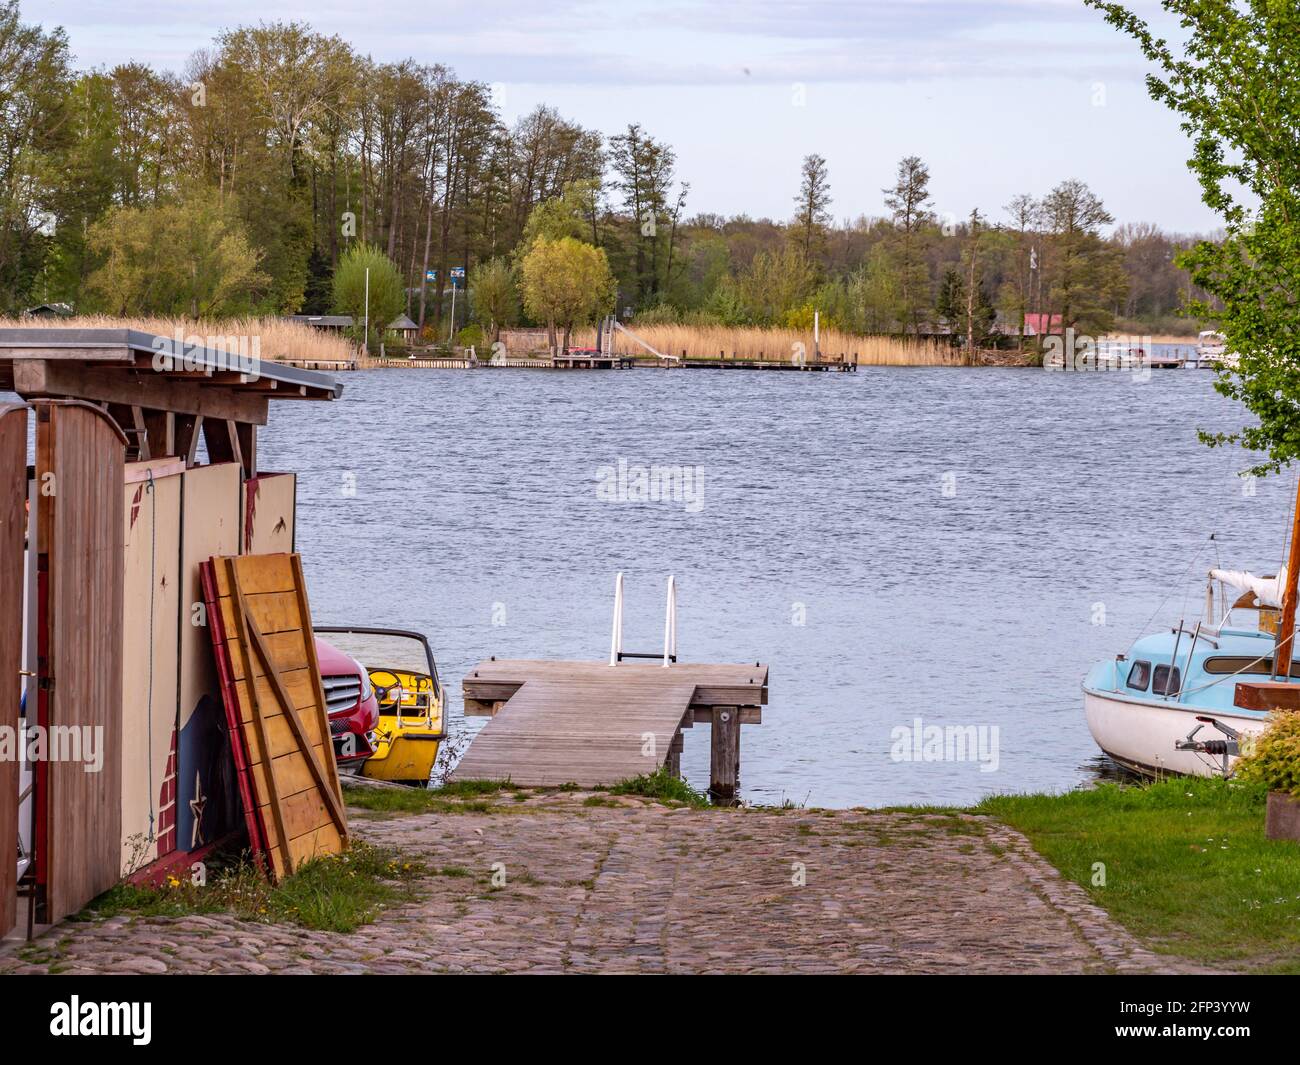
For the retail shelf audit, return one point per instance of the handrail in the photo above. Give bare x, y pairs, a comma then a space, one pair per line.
670, 624
616, 637
653, 351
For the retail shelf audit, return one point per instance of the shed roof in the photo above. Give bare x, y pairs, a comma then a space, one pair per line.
131, 367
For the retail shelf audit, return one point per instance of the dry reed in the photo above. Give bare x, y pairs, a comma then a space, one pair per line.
276, 338
708, 342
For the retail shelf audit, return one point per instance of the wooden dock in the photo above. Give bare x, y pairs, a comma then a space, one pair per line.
592, 724
598, 361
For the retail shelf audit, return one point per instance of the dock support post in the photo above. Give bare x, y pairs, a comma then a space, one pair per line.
673, 764
724, 755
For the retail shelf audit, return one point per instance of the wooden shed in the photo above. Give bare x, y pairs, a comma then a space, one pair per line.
104, 652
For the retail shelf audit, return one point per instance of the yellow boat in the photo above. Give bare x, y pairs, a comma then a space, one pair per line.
412, 701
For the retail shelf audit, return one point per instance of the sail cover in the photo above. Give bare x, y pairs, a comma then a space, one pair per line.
1268, 590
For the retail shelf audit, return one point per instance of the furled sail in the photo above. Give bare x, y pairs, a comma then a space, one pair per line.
1268, 590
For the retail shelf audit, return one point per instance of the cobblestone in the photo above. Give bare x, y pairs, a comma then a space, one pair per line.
641, 888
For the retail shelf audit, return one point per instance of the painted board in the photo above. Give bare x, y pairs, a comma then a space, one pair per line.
80, 455
270, 509
207, 800
260, 624
150, 647
13, 530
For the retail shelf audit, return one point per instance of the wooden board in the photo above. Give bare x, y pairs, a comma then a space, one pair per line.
150, 648
210, 526
13, 525
1267, 695
208, 806
260, 624
80, 456
589, 723
270, 509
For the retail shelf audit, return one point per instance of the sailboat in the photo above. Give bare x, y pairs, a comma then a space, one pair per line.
1188, 701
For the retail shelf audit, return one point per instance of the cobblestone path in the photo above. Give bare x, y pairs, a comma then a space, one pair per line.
596, 884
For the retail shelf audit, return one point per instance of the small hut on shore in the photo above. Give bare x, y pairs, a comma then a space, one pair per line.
103, 641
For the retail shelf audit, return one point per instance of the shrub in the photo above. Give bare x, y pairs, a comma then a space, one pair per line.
1274, 759
470, 336
387, 293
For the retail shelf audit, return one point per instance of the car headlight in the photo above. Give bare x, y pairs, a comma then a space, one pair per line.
367, 689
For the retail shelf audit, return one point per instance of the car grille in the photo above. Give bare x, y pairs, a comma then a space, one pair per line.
342, 692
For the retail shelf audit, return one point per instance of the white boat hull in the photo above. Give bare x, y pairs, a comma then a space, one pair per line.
1142, 736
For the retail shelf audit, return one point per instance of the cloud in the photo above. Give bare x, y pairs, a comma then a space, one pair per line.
648, 42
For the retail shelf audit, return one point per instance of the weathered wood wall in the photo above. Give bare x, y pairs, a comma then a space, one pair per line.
211, 524
80, 454
13, 495
270, 504
150, 648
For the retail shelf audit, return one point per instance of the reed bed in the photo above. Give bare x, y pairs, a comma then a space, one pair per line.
708, 342
277, 339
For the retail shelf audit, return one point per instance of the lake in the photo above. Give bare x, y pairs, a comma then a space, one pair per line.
950, 545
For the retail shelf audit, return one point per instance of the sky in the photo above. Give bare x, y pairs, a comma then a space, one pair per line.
999, 97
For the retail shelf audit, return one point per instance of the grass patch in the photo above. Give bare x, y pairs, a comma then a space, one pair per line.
459, 789
465, 800
338, 893
1186, 865
662, 786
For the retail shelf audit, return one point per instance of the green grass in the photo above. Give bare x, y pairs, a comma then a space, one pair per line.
663, 787
1186, 864
339, 893
461, 797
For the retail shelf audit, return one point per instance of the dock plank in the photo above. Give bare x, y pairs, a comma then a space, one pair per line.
589, 723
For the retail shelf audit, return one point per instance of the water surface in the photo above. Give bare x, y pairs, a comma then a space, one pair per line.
959, 545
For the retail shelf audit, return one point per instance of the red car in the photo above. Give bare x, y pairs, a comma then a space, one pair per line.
350, 699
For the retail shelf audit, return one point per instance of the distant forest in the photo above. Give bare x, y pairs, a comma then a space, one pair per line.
276, 148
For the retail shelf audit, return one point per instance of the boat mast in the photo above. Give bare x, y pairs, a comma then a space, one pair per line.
1286, 623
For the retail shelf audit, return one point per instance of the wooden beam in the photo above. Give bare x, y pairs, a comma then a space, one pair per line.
1267, 695
93, 353
724, 755
247, 433
749, 715
222, 440
160, 426
1286, 626
189, 427
131, 421
139, 389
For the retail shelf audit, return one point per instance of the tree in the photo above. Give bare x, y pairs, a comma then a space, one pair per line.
643, 169
950, 299
875, 292
493, 296
909, 200
385, 290
813, 202
977, 314
191, 258
775, 284
34, 84
1017, 293
1083, 268
566, 282
1232, 81
564, 215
